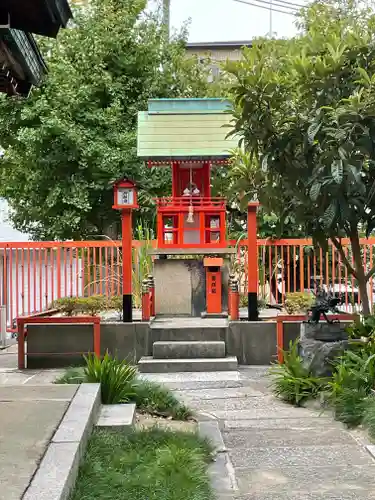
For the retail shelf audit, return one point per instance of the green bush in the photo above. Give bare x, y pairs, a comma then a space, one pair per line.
153, 398
350, 406
92, 305
66, 305
82, 305
119, 384
369, 417
298, 302
116, 378
291, 381
72, 376
364, 328
116, 303
353, 370
352, 381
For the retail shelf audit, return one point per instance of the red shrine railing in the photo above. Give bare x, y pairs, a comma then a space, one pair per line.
34, 274
171, 202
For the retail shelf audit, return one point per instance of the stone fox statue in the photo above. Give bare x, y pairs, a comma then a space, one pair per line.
324, 303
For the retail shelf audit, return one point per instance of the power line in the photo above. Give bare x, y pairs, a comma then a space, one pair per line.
270, 7
285, 4
272, 3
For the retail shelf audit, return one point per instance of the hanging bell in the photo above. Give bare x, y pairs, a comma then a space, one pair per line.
190, 217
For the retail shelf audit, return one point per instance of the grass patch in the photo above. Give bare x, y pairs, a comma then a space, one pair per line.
72, 376
149, 397
145, 465
158, 400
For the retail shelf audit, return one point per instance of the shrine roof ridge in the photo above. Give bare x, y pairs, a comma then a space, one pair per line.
189, 106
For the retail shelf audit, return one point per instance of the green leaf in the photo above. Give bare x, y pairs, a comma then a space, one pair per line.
329, 215
315, 190
265, 162
313, 130
337, 171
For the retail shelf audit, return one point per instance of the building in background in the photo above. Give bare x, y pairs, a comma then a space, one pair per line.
21, 63
217, 53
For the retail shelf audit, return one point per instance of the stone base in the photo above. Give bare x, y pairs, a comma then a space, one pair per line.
318, 356
323, 331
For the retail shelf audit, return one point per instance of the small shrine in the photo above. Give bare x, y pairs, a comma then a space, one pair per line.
191, 267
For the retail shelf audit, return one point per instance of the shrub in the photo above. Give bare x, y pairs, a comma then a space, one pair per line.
66, 305
116, 303
298, 302
352, 382
148, 396
116, 378
92, 305
350, 406
364, 328
153, 398
354, 370
292, 382
369, 417
72, 376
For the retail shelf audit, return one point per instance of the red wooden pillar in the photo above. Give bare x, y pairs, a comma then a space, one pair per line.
252, 261
127, 299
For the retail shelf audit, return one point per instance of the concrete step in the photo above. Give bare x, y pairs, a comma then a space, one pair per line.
120, 416
148, 364
188, 349
189, 333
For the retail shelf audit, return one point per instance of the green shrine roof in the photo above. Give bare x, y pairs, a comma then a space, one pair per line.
185, 128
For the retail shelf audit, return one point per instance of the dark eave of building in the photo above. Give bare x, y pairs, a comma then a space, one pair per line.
219, 45
41, 17
21, 63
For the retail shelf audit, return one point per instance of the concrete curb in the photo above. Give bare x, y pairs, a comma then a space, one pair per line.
220, 471
58, 469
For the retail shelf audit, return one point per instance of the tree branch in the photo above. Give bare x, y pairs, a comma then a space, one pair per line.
370, 273
340, 249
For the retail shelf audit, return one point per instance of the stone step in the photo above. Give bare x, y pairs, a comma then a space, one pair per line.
169, 333
188, 349
119, 416
148, 364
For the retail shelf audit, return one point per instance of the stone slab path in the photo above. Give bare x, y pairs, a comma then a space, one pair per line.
29, 416
274, 451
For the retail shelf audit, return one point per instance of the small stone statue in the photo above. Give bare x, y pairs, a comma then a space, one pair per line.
324, 303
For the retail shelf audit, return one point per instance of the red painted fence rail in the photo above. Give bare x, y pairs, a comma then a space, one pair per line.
34, 274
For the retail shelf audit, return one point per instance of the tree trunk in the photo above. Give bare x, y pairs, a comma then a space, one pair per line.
359, 268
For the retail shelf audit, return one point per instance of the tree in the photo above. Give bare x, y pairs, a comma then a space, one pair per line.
305, 109
72, 138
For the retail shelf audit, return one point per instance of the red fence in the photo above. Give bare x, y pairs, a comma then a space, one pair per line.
293, 265
34, 274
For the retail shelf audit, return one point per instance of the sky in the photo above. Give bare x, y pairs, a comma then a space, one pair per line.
210, 21
225, 20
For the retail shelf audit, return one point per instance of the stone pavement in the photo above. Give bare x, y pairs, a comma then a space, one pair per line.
274, 451
31, 408
29, 416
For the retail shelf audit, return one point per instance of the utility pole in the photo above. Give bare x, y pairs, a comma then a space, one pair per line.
271, 30
166, 14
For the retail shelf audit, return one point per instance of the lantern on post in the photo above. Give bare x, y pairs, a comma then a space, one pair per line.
125, 200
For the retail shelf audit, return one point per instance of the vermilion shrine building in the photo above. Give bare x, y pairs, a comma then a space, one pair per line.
189, 137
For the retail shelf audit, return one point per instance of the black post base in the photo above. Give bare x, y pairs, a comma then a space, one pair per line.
127, 308
252, 307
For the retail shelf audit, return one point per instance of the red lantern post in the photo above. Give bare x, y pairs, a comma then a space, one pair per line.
125, 199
